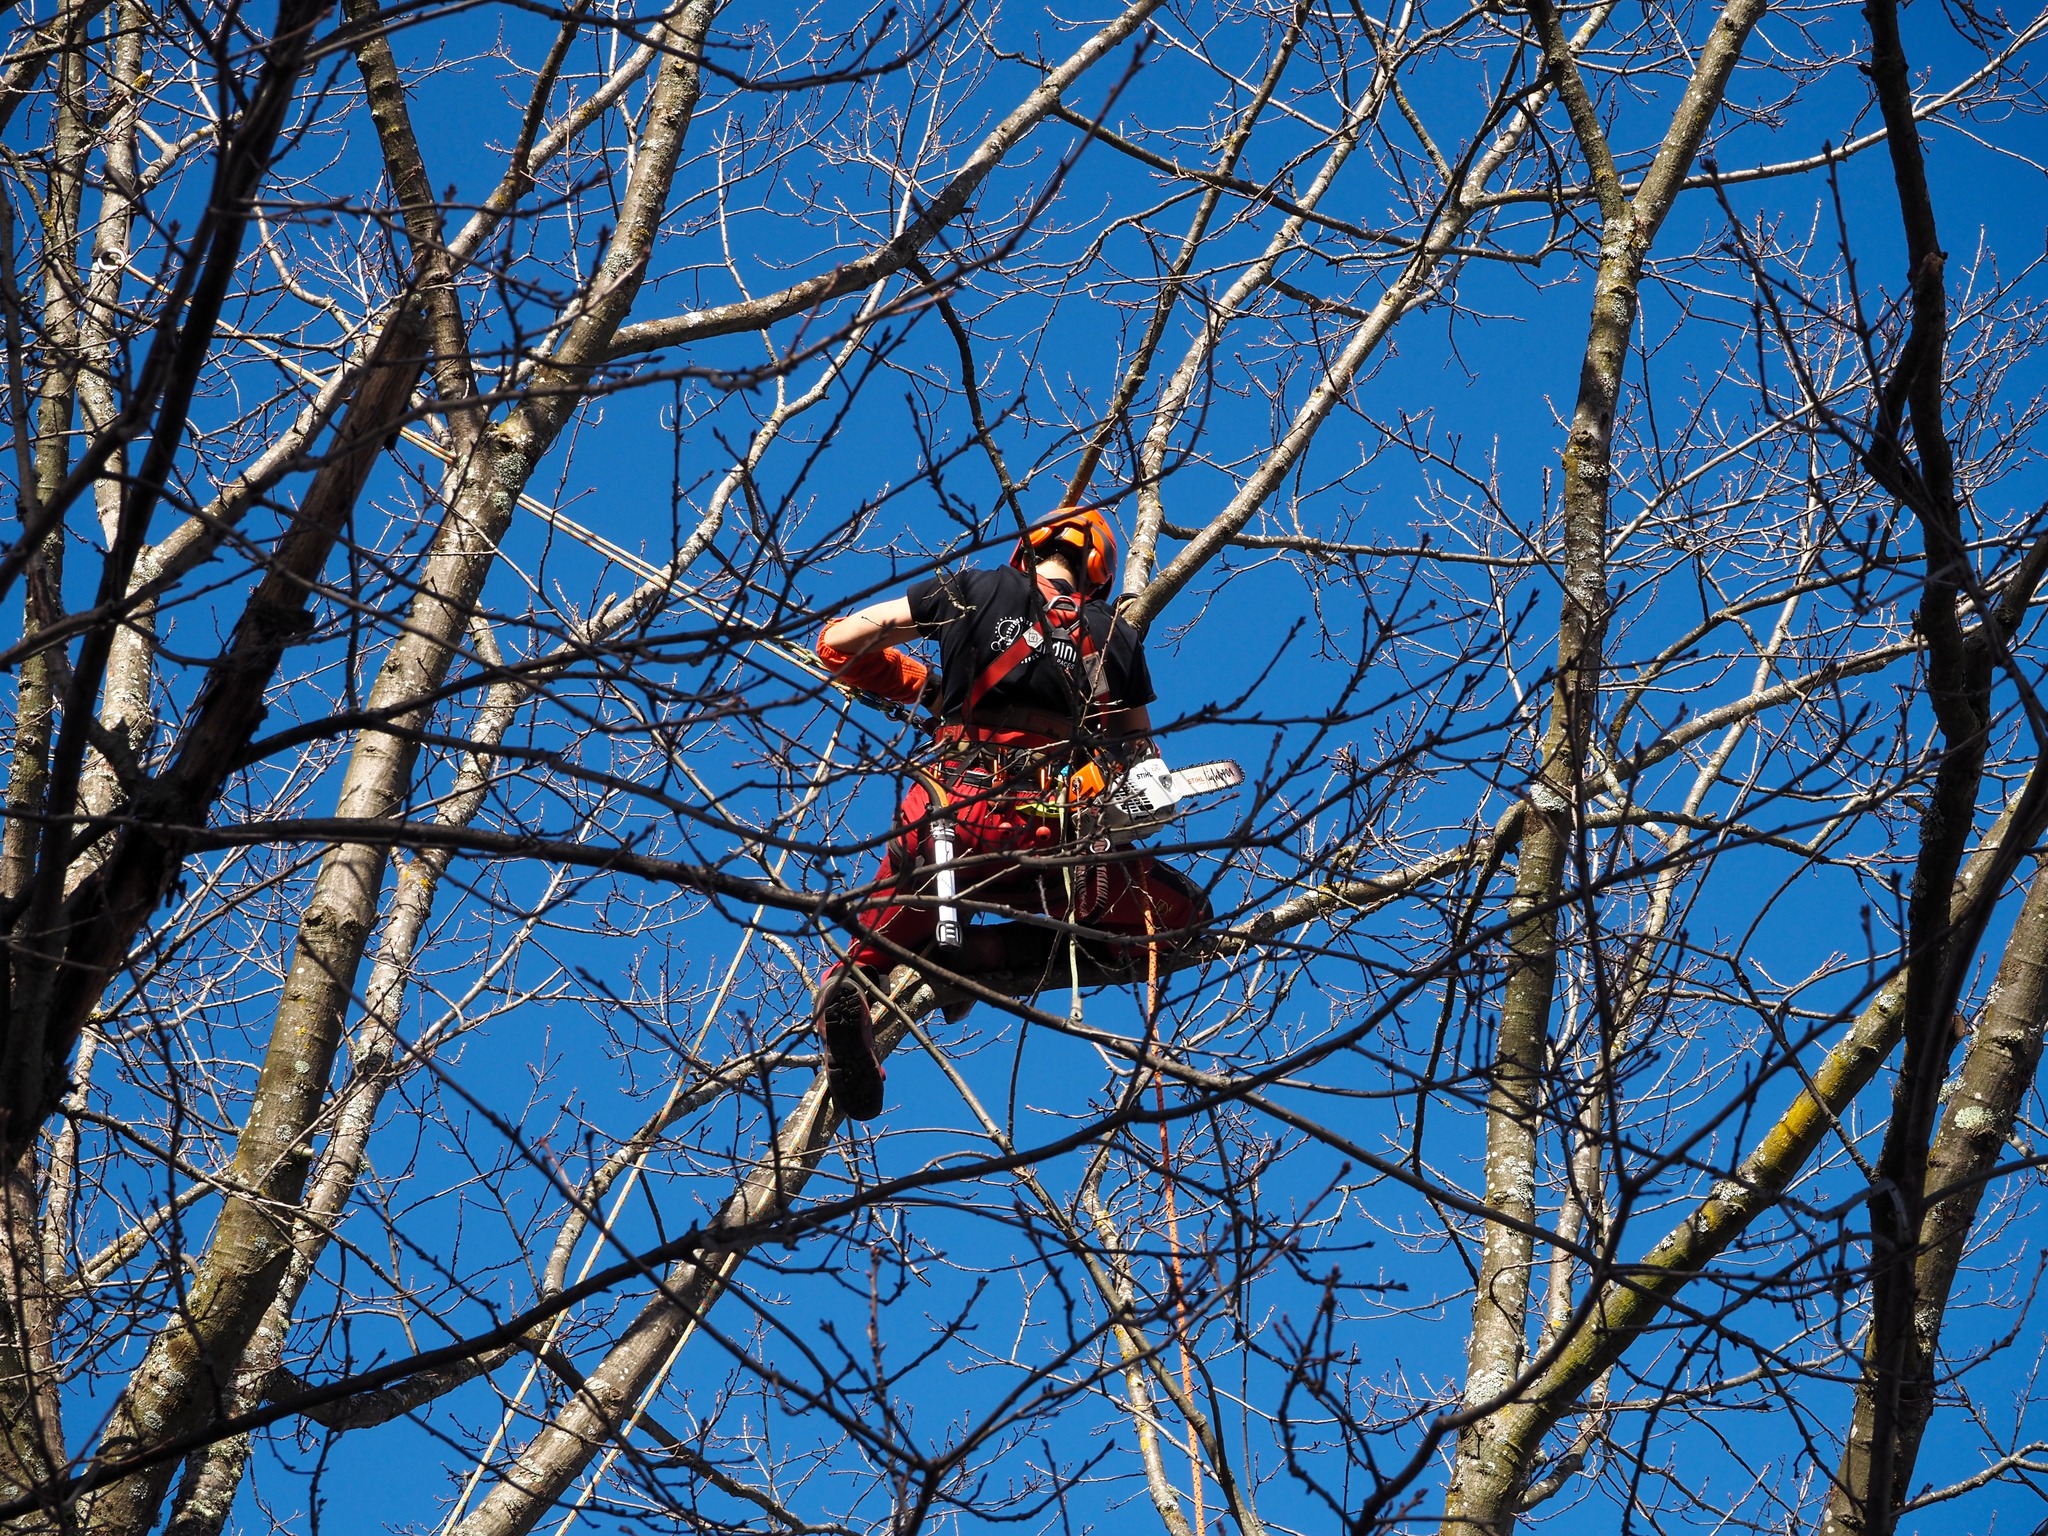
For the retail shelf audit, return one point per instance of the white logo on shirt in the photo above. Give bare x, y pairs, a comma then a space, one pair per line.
1007, 630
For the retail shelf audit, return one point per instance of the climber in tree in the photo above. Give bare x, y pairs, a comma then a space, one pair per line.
1042, 703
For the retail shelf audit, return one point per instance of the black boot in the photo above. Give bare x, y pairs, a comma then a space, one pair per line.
846, 1032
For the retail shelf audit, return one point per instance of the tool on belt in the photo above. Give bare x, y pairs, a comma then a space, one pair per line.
1069, 794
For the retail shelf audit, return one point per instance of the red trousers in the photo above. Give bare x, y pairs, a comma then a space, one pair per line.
1119, 900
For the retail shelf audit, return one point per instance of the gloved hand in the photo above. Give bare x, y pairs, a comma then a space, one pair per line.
1153, 781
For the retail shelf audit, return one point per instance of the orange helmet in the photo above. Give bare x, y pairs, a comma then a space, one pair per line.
1084, 528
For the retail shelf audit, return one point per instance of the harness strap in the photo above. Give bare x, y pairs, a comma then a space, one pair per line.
1009, 728
1009, 661
1019, 651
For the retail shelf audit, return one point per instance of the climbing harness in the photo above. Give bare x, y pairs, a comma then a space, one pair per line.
1062, 620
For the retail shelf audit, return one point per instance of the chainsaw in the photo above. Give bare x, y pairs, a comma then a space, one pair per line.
1129, 813
1124, 814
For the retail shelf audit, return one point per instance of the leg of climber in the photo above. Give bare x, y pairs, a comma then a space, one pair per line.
844, 1020
846, 1034
1135, 902
987, 832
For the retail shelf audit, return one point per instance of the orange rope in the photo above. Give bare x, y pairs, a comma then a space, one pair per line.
1168, 1182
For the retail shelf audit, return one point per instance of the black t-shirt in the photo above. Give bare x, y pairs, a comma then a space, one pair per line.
976, 615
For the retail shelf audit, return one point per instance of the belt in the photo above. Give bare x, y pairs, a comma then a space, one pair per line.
1010, 728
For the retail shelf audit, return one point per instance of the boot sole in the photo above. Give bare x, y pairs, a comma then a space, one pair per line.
850, 1066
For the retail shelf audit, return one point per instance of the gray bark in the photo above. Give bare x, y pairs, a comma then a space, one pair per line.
1490, 1471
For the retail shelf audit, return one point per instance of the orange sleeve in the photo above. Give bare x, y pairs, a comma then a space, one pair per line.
890, 673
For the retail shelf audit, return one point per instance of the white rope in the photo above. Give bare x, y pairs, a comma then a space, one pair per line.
632, 1178
635, 1169
612, 1452
561, 522
791, 655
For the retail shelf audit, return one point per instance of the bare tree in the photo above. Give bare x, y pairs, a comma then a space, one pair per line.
437, 435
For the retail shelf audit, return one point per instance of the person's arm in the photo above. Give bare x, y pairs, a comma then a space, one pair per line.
860, 652
876, 625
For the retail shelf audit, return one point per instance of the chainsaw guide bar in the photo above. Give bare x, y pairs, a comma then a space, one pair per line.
1207, 779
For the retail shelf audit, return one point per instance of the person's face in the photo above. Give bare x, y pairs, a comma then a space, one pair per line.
1064, 560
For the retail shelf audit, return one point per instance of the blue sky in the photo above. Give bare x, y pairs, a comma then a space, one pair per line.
1495, 381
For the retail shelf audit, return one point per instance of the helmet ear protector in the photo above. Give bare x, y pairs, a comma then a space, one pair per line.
1086, 530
